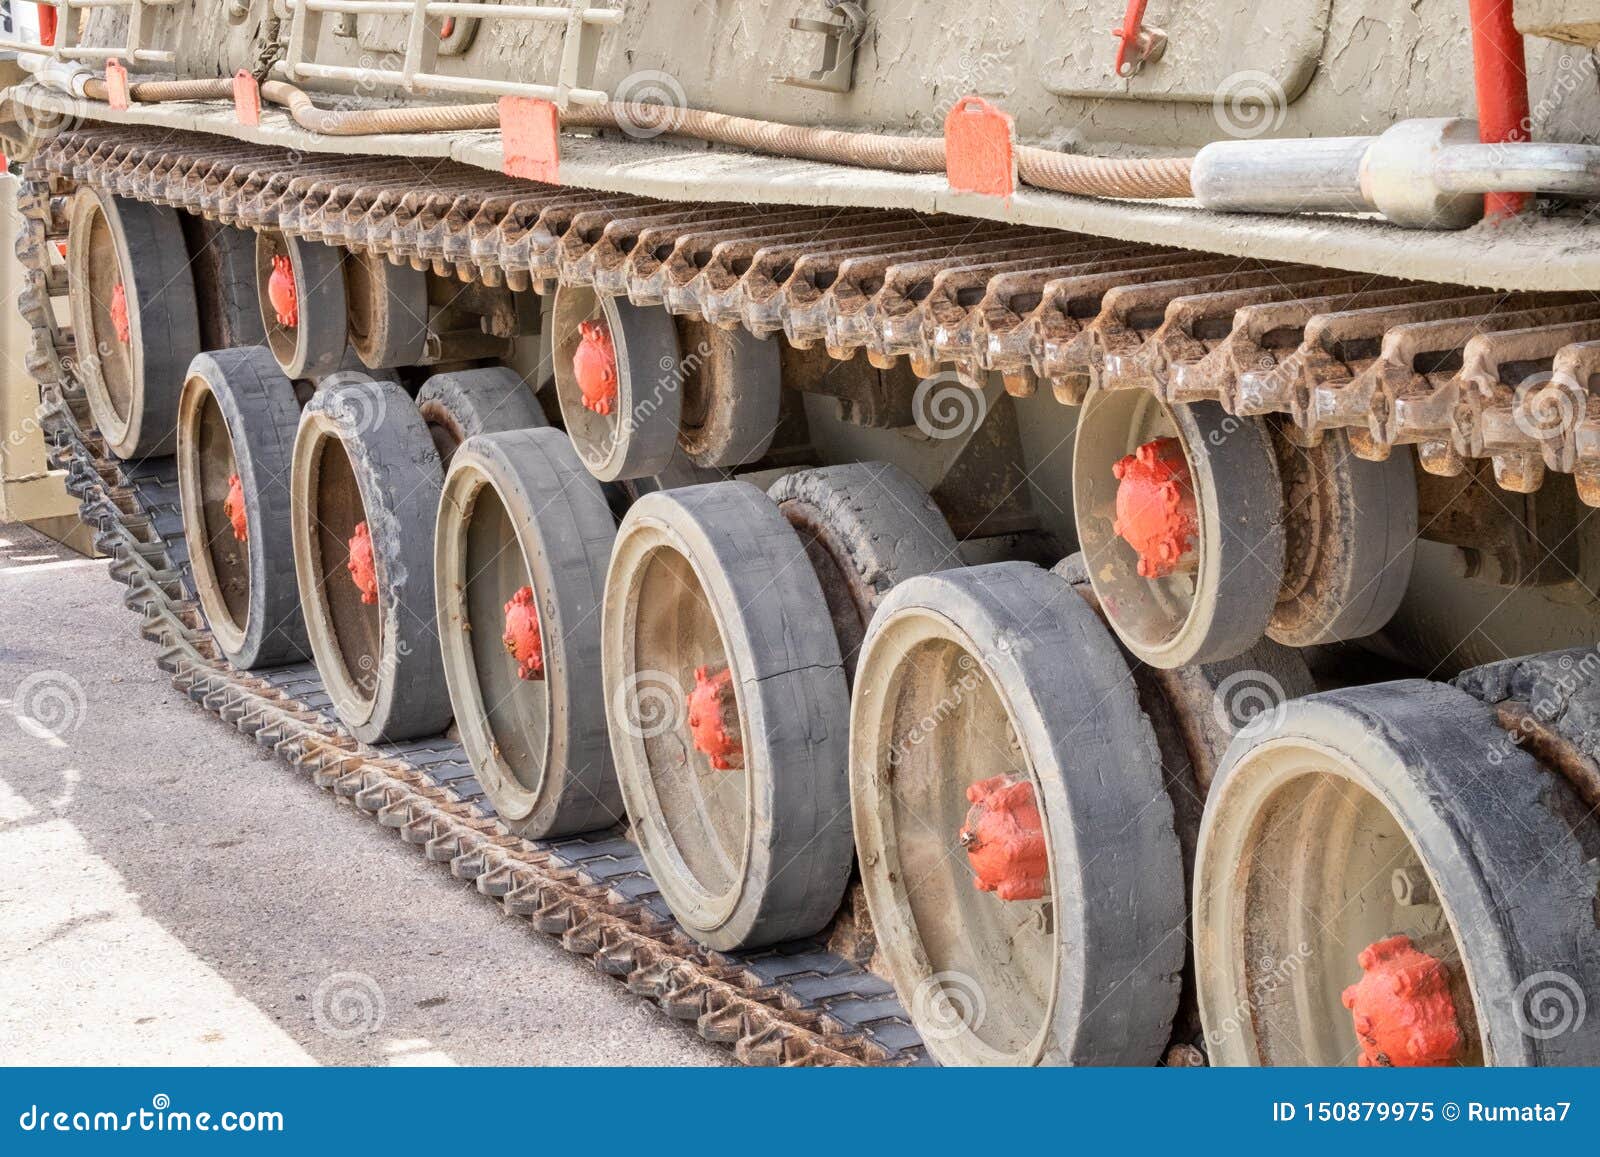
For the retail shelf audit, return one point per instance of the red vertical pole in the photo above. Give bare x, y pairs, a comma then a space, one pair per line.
1500, 73
47, 23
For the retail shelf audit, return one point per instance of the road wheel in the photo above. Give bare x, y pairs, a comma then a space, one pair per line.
1350, 537
365, 486
732, 386
866, 526
237, 419
524, 536
1179, 513
463, 404
387, 311
728, 706
619, 381
1384, 879
1016, 842
134, 318
223, 259
300, 287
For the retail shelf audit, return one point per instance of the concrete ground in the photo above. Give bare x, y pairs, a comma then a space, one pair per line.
170, 894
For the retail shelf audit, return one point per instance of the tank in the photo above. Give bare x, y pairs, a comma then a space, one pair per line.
1057, 538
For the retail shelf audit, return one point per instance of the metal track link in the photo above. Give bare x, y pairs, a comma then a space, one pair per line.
798, 1004
1459, 373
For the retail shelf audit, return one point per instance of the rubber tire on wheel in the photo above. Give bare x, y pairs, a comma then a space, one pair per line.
1036, 652
866, 527
1505, 844
1367, 513
1210, 703
639, 437
540, 747
223, 258
362, 453
749, 568
732, 388
387, 311
133, 395
1239, 506
318, 345
461, 405
238, 415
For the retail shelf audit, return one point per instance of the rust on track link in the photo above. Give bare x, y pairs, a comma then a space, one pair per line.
1460, 373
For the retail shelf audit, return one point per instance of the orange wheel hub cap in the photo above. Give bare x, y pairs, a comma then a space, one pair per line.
1155, 507
714, 718
363, 571
1004, 839
522, 639
233, 507
119, 313
595, 366
1404, 1015
281, 292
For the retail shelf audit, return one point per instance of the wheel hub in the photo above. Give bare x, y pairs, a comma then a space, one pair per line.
714, 718
1156, 512
522, 639
281, 292
595, 365
119, 313
1004, 839
233, 507
1404, 1015
363, 570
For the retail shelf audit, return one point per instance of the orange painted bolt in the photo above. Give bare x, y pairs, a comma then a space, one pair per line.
714, 718
1156, 512
281, 292
1403, 1012
522, 639
1004, 839
119, 313
594, 363
233, 507
363, 570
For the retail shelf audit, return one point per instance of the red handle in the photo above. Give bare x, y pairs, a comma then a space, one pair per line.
1128, 34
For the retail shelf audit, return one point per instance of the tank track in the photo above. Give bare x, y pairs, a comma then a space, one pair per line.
797, 1004
1460, 373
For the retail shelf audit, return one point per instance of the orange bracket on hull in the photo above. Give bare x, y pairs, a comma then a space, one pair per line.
530, 139
980, 148
116, 84
246, 98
